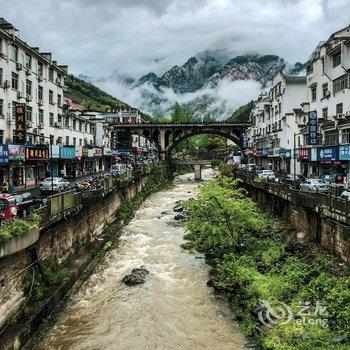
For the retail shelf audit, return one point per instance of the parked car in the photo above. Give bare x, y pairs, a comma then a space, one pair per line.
54, 184
314, 185
8, 208
266, 174
346, 195
117, 169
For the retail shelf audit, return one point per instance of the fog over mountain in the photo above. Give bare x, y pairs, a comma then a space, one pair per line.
213, 82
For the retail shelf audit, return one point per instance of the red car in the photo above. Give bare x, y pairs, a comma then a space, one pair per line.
8, 207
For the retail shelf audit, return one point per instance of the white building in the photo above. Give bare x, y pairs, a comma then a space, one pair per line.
274, 124
329, 96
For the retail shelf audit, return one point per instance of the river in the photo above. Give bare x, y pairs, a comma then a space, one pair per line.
174, 309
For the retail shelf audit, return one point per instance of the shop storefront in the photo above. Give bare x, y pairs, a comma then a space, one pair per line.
344, 157
285, 155
304, 161
4, 164
98, 159
68, 162
108, 158
16, 154
79, 158
36, 160
88, 161
274, 159
54, 155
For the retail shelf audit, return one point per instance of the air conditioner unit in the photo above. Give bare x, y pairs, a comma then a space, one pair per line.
29, 124
19, 66
40, 78
40, 102
328, 94
19, 95
339, 116
57, 125
29, 98
7, 84
41, 125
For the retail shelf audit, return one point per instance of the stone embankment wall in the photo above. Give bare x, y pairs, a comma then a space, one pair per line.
73, 243
316, 226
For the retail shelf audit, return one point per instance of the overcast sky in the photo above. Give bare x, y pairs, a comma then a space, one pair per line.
96, 37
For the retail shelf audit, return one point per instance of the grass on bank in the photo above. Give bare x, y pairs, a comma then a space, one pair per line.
255, 259
18, 228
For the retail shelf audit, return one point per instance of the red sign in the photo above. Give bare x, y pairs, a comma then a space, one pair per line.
304, 153
37, 153
20, 132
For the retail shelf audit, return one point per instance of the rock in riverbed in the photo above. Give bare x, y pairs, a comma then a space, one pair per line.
137, 276
180, 216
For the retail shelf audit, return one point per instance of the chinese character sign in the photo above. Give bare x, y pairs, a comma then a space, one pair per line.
312, 128
20, 132
37, 153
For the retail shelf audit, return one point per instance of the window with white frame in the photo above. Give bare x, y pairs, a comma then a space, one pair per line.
345, 135
341, 83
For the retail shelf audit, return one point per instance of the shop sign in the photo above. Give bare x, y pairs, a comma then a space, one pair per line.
325, 154
264, 152
312, 128
67, 153
36, 153
107, 151
344, 152
78, 152
16, 152
245, 140
313, 154
54, 152
4, 154
304, 154
97, 152
20, 115
88, 152
285, 153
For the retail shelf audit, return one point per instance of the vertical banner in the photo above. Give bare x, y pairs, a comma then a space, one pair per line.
20, 115
312, 128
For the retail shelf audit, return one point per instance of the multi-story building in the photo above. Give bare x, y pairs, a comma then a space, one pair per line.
329, 97
274, 125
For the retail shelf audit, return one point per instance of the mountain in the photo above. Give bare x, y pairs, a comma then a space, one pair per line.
212, 83
93, 98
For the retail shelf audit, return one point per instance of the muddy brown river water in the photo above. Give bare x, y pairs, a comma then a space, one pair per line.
174, 309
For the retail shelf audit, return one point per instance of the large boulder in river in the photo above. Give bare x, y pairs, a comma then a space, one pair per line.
137, 276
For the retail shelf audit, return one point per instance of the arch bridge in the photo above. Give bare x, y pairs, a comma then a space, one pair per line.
167, 136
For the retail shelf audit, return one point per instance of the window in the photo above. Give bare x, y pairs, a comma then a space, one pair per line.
28, 61
336, 59
1, 136
339, 108
59, 100
324, 90
325, 113
80, 142
279, 108
40, 68
51, 119
29, 113
14, 53
41, 116
1, 77
66, 122
74, 124
345, 135
59, 119
331, 137
52, 139
341, 83
313, 92
74, 141
40, 93
51, 75
15, 81
1, 108
67, 140
51, 97
86, 127
28, 87
80, 125
59, 78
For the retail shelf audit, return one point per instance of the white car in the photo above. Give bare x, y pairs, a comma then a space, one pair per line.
54, 184
314, 185
346, 195
266, 174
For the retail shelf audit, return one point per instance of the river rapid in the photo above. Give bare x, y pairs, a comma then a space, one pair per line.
174, 309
